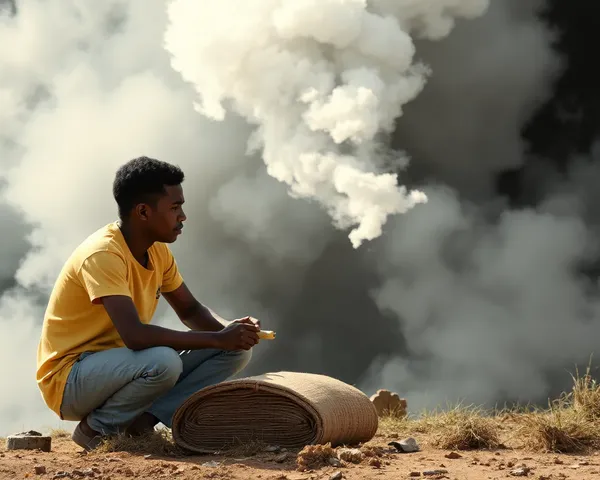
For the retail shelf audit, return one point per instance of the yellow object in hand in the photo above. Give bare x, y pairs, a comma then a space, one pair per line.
266, 334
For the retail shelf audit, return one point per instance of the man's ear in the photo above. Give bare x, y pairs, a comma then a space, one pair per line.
141, 210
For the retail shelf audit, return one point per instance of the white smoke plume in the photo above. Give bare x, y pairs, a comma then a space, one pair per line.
458, 296
322, 80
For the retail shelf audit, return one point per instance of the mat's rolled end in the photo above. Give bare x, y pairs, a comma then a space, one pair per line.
266, 335
288, 409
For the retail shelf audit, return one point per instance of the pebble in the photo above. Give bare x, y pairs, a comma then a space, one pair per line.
337, 476
431, 473
39, 469
453, 455
520, 472
282, 457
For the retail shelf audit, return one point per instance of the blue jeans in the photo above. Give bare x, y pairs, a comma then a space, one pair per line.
113, 387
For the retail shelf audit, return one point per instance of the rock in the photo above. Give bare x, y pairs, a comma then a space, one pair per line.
39, 469
520, 472
389, 403
272, 449
335, 462
211, 464
375, 462
408, 445
29, 441
351, 455
432, 473
414, 474
282, 457
61, 475
337, 476
453, 455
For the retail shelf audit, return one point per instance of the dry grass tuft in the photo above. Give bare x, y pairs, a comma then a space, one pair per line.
585, 396
247, 448
560, 430
59, 433
572, 422
459, 428
161, 443
158, 443
464, 429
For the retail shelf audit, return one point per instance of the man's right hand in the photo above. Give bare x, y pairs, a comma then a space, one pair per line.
237, 336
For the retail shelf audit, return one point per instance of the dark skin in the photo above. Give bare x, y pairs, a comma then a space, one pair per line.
162, 221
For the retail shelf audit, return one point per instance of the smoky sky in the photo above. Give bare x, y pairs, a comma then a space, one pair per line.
486, 291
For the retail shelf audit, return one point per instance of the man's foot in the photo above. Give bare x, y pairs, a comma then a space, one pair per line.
142, 425
86, 437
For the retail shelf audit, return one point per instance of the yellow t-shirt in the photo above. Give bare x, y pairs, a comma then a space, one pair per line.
76, 322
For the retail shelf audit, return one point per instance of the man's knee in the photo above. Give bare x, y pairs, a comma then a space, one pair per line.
240, 359
165, 365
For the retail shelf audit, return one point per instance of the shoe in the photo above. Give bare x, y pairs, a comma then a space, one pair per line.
142, 425
86, 442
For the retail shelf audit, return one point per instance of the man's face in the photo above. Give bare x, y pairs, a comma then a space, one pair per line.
165, 220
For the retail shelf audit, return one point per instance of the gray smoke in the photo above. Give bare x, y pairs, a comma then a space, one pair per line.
454, 297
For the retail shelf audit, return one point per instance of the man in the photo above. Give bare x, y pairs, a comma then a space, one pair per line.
100, 361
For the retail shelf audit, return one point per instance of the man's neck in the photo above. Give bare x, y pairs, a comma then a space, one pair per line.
138, 244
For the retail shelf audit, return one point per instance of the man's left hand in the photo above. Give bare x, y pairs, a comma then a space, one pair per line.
249, 320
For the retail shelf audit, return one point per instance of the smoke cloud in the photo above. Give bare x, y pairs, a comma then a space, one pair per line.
321, 90
341, 163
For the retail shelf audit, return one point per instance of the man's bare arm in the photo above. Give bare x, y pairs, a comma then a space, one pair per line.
139, 336
192, 313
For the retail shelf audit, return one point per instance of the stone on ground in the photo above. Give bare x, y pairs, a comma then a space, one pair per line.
29, 441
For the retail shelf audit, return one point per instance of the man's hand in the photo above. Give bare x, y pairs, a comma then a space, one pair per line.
248, 321
241, 334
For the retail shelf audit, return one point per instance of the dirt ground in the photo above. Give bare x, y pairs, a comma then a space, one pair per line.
66, 460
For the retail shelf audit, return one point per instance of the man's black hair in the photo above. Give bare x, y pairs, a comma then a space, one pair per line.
141, 180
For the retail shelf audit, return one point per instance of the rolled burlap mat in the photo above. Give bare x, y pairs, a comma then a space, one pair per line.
288, 409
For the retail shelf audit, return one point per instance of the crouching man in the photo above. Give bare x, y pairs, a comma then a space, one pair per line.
99, 360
